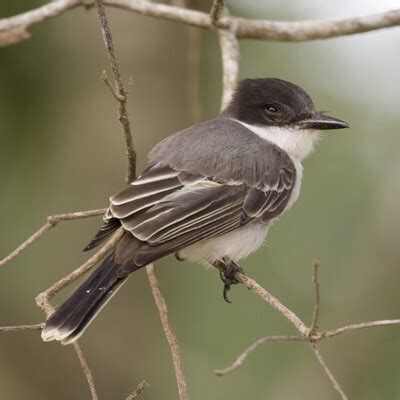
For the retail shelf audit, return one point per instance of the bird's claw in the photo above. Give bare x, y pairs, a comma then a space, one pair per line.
228, 276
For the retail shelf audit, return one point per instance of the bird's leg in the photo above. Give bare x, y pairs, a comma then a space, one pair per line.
228, 274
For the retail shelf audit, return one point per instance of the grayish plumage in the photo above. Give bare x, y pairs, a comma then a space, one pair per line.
209, 192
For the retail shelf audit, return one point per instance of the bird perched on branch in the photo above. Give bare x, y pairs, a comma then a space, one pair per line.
208, 194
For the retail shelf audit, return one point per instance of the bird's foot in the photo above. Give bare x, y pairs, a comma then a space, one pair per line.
228, 275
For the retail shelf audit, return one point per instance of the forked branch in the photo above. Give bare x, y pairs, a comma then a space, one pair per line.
15, 29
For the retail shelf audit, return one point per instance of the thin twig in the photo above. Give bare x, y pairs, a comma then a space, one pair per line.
17, 328
216, 11
230, 62
168, 331
316, 337
86, 371
43, 299
252, 29
120, 91
276, 304
354, 327
142, 385
242, 357
52, 221
120, 95
328, 372
315, 279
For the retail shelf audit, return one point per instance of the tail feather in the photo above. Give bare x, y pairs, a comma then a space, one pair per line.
71, 319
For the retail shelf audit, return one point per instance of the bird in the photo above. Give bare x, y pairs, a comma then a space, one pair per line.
208, 194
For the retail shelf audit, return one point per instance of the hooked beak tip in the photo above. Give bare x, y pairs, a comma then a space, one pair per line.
323, 122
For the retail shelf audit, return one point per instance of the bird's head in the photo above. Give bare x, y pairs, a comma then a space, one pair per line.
278, 103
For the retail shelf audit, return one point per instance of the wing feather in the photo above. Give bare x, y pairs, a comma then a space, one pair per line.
168, 209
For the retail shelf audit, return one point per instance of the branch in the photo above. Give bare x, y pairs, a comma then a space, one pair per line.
315, 279
120, 95
120, 91
43, 299
317, 336
355, 327
252, 285
17, 328
142, 385
216, 11
251, 29
52, 221
328, 372
169, 332
242, 357
19, 24
86, 371
230, 62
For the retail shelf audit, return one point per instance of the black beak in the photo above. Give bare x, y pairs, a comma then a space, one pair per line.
321, 121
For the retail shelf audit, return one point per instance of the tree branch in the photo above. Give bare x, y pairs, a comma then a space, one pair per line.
155, 286
216, 11
251, 29
43, 299
242, 357
52, 221
142, 385
328, 372
252, 285
315, 280
230, 62
169, 332
17, 328
317, 336
120, 91
86, 371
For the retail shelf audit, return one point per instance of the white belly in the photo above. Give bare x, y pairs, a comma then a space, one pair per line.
236, 245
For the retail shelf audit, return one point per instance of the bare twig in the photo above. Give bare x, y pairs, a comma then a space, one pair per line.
230, 62
315, 279
240, 359
22, 22
317, 336
13, 36
52, 221
169, 332
328, 372
120, 91
276, 304
17, 328
142, 385
43, 299
251, 29
216, 11
86, 371
120, 95
355, 327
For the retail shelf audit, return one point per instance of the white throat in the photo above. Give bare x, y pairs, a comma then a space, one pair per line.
298, 143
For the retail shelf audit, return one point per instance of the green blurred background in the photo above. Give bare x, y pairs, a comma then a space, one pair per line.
61, 149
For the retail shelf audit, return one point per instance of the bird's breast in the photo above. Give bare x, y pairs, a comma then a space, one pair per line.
235, 245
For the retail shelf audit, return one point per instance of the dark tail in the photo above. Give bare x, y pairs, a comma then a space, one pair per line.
73, 317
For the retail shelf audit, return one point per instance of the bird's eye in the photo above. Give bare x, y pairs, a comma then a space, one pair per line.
271, 109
